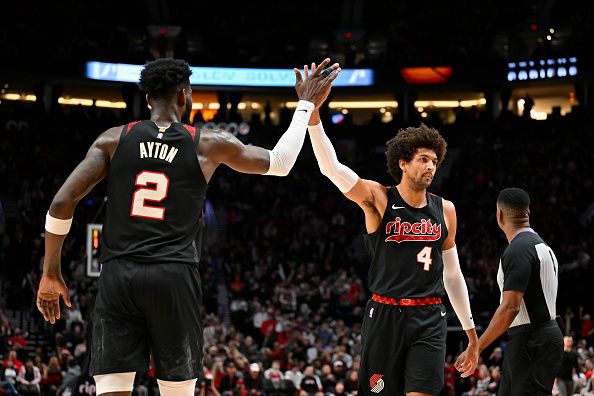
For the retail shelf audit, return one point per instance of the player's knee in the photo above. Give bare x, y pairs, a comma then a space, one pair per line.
114, 383
177, 388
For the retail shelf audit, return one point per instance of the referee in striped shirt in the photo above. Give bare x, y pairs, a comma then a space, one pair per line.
528, 281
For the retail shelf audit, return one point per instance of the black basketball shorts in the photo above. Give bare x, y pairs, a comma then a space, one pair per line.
404, 349
144, 309
532, 360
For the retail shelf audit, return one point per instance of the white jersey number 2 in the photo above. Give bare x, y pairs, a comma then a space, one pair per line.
155, 193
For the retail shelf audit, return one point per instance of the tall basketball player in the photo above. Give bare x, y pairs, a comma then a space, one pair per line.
149, 290
411, 239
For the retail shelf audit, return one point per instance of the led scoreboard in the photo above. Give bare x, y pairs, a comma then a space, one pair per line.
93, 249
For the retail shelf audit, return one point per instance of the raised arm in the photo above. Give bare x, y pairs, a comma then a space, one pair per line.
224, 148
85, 176
368, 194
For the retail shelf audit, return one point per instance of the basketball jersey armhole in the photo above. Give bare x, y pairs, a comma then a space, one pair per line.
196, 141
123, 134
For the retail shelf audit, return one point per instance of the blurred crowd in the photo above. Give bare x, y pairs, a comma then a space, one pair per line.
283, 265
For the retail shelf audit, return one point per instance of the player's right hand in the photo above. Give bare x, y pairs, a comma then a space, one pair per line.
51, 287
315, 87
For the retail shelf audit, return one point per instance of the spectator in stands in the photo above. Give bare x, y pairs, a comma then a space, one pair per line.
352, 381
327, 378
72, 374
8, 378
310, 384
12, 358
338, 369
51, 377
340, 390
482, 383
229, 380
495, 358
569, 367
29, 379
255, 380
207, 387
4, 326
274, 371
493, 388
294, 374
17, 341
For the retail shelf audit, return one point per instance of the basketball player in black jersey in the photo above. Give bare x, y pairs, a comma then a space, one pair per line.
528, 279
411, 238
149, 290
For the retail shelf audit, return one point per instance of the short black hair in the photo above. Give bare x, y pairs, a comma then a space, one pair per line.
164, 76
406, 142
514, 198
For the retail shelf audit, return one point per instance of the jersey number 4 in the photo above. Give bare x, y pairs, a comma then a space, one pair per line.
424, 257
155, 193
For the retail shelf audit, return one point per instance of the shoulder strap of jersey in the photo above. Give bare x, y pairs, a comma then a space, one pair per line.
130, 126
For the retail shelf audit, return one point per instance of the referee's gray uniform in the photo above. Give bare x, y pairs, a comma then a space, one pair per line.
535, 345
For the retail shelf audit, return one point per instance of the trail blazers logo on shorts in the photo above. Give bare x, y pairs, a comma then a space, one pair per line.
377, 383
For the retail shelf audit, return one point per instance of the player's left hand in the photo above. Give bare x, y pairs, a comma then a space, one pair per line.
307, 71
467, 361
48, 297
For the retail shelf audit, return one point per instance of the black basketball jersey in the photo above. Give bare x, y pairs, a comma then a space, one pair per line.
406, 249
155, 195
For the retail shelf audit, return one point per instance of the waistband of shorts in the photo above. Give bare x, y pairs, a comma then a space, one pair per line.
406, 302
532, 326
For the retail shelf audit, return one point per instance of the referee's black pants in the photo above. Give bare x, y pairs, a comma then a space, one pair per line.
532, 359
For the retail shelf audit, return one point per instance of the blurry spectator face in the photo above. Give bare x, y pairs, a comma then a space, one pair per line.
309, 370
354, 376
483, 371
231, 369
276, 365
326, 369
29, 363
339, 388
568, 342
495, 373
497, 353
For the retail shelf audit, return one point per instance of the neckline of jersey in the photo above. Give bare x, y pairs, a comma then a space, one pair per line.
522, 232
159, 128
408, 206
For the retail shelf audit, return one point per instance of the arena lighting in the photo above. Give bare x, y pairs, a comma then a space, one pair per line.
542, 69
224, 76
353, 105
450, 103
89, 102
110, 105
75, 101
394, 104
13, 96
426, 75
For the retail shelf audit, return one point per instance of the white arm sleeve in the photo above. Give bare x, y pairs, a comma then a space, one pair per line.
455, 286
284, 154
342, 176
